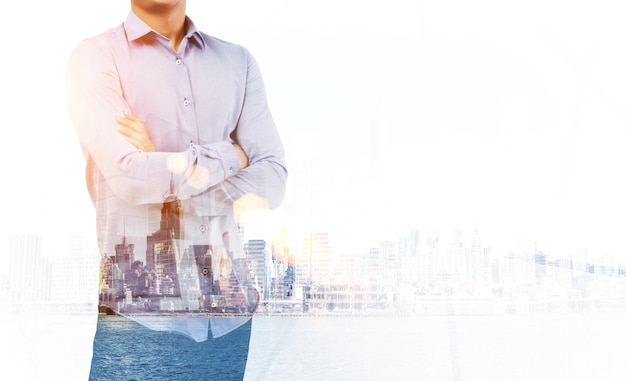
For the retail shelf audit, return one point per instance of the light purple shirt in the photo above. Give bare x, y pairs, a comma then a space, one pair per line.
195, 102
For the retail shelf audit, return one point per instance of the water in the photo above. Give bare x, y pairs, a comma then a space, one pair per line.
543, 347
126, 350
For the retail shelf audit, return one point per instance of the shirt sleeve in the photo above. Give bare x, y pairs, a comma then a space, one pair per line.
263, 182
95, 99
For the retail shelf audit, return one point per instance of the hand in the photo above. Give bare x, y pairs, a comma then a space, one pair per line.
135, 132
241, 155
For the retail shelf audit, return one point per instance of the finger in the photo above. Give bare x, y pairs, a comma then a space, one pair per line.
129, 132
129, 124
124, 121
124, 129
131, 116
135, 143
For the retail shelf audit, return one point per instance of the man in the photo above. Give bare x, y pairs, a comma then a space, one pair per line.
176, 131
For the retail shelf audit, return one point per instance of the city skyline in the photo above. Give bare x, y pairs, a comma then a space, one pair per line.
413, 273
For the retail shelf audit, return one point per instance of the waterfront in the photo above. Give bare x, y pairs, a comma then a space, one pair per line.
508, 347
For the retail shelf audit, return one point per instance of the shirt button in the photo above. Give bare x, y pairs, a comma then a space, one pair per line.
202, 228
230, 171
186, 102
178, 61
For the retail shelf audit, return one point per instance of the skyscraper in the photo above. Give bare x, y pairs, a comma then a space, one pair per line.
161, 250
321, 261
259, 258
29, 273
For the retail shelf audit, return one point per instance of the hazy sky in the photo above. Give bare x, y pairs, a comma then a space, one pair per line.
395, 115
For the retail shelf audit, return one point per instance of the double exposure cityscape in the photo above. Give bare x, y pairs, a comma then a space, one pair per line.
425, 272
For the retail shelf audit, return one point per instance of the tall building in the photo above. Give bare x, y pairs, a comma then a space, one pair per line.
119, 274
475, 260
540, 267
373, 263
29, 272
322, 262
74, 275
124, 255
425, 268
389, 256
160, 246
259, 262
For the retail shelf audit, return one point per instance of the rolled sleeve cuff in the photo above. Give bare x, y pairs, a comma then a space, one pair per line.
230, 161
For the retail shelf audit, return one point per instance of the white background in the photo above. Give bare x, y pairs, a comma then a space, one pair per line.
507, 117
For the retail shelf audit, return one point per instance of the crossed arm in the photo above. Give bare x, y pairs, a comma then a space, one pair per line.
121, 153
136, 134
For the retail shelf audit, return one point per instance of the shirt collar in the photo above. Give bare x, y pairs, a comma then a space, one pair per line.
136, 28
